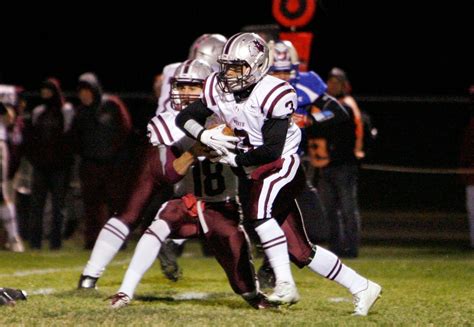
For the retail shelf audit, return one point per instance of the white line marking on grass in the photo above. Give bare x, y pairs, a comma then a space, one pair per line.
339, 299
42, 291
23, 273
192, 296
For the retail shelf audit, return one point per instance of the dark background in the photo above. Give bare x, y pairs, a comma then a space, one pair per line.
388, 48
409, 48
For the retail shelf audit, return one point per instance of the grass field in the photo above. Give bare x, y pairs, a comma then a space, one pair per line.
423, 286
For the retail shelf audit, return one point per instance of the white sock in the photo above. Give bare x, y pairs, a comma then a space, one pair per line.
145, 255
276, 249
328, 265
8, 215
108, 243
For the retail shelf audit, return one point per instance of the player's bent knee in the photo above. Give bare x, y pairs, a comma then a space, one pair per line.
128, 220
159, 227
302, 255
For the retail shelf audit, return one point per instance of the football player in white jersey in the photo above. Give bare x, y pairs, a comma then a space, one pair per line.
204, 203
156, 169
258, 107
149, 179
207, 47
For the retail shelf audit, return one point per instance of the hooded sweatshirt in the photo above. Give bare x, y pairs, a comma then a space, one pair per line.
47, 139
102, 129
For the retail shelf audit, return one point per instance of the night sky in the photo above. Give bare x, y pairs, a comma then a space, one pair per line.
386, 47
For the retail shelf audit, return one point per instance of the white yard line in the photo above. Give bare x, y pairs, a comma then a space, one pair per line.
42, 291
339, 299
191, 296
23, 273
46, 291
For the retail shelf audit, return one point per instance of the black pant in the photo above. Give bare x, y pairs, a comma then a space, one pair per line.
23, 203
312, 212
44, 181
338, 190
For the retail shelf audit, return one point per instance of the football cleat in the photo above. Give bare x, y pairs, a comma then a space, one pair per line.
365, 299
119, 300
258, 301
14, 294
87, 282
284, 293
15, 245
6, 299
9, 296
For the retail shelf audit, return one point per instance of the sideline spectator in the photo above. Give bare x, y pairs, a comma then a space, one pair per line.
101, 132
48, 148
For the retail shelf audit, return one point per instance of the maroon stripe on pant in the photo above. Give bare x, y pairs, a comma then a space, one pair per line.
267, 199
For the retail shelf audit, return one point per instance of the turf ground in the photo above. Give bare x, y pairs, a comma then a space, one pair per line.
423, 286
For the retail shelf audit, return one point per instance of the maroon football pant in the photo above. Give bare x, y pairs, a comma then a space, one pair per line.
123, 190
225, 237
103, 189
147, 184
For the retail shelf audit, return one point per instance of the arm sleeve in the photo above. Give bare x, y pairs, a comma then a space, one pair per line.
167, 156
274, 137
192, 119
332, 112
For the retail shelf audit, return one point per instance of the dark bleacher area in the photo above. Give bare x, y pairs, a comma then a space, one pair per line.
413, 207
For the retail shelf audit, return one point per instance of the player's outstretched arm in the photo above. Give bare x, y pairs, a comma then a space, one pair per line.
331, 111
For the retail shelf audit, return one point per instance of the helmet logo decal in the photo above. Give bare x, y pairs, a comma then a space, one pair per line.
258, 45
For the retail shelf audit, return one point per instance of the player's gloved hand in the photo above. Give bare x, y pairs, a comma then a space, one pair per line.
215, 139
226, 158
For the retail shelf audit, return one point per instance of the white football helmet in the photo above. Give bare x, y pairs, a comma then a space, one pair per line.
189, 73
208, 47
283, 57
246, 53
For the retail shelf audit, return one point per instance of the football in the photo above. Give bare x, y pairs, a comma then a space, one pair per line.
228, 131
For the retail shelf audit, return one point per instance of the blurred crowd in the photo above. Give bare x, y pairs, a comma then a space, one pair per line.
66, 166
61, 162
